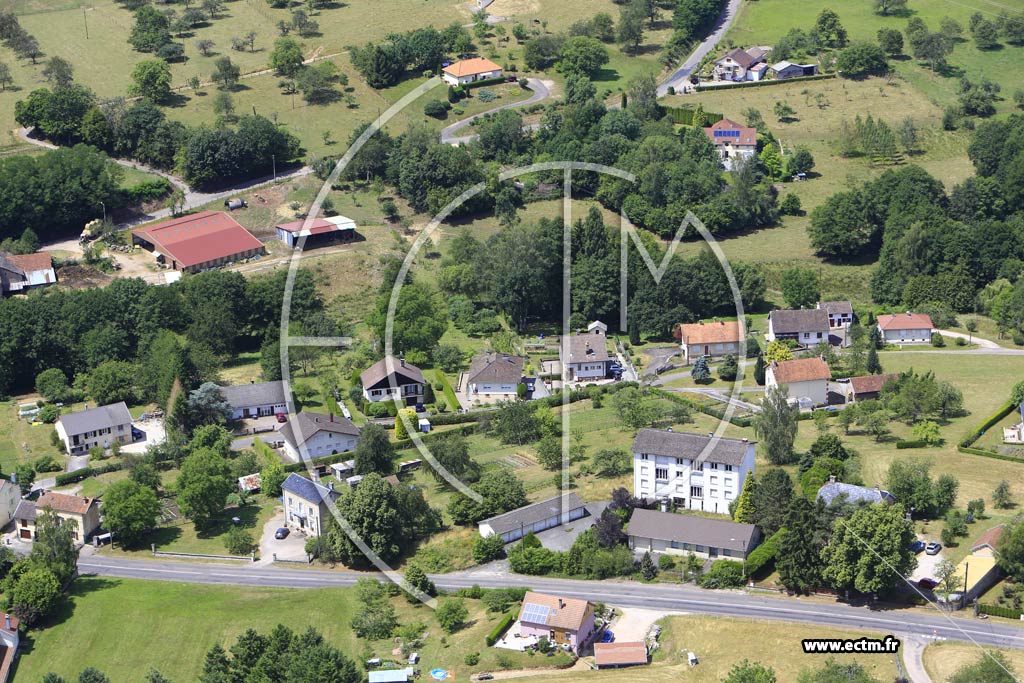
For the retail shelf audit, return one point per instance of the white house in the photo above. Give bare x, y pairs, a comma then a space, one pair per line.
470, 70
536, 517
494, 374
306, 504
691, 471
806, 326
588, 354
732, 140
804, 378
840, 313
315, 434
255, 399
100, 426
10, 496
905, 328
712, 339
392, 378
741, 65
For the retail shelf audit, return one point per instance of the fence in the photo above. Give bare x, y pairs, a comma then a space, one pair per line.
684, 116
308, 560
251, 557
761, 84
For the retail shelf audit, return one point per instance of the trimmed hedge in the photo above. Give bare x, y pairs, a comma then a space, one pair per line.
992, 419
684, 116
988, 454
756, 84
713, 410
65, 478
499, 629
454, 418
920, 443
764, 555
999, 611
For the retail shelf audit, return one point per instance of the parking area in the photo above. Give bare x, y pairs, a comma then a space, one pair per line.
289, 549
153, 429
561, 538
926, 565
634, 624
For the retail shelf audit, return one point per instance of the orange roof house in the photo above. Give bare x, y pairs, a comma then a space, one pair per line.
715, 338
469, 70
198, 241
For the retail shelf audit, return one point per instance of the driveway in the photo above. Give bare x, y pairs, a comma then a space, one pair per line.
153, 428
926, 565
292, 548
635, 623
541, 90
680, 77
972, 338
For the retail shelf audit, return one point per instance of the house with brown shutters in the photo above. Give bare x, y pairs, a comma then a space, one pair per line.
840, 313
806, 379
713, 339
83, 514
732, 141
741, 65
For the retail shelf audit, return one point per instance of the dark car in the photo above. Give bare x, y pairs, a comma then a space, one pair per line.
281, 417
927, 583
933, 548
281, 533
607, 637
917, 546
484, 677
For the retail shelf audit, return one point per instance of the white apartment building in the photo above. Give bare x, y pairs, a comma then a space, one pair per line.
672, 466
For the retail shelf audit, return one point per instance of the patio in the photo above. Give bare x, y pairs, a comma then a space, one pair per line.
513, 641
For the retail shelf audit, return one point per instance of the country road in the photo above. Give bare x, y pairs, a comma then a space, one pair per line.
626, 594
680, 77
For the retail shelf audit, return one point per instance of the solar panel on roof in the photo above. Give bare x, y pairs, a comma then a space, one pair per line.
727, 133
535, 614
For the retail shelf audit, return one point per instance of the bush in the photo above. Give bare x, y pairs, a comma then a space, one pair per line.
436, 108
487, 549
723, 574
238, 541
499, 629
997, 611
790, 205
666, 562
47, 464
472, 658
49, 413
937, 340
487, 95
764, 555
919, 443
147, 191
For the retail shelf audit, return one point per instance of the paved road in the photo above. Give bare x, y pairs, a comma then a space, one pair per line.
913, 660
541, 90
680, 76
627, 594
973, 338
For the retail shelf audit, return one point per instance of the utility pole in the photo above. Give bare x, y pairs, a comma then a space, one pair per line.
273, 161
85, 20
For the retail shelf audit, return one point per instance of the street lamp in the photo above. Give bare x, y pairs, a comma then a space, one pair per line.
104, 211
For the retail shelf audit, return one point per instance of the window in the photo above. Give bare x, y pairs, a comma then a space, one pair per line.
700, 466
714, 480
819, 335
679, 462
643, 483
728, 468
661, 473
714, 493
696, 492
644, 456
729, 495
714, 465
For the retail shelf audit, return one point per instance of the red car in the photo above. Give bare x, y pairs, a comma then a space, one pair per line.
927, 583
281, 417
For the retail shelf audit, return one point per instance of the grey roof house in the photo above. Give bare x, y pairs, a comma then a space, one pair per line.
808, 326
494, 373
255, 399
306, 504
536, 517
377, 380
316, 434
668, 532
99, 426
686, 445
835, 490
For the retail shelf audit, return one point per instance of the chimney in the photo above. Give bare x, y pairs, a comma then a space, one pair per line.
402, 359
909, 314
822, 357
832, 479
561, 603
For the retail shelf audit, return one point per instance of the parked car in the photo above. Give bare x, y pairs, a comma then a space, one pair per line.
281, 417
607, 637
927, 583
933, 548
917, 546
484, 677
281, 533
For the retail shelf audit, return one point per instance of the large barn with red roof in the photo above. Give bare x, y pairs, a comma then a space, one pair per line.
199, 241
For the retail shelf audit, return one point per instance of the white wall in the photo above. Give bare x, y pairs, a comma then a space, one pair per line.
720, 484
907, 336
324, 443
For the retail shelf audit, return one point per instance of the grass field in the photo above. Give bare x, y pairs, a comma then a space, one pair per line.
764, 22
941, 660
20, 441
126, 627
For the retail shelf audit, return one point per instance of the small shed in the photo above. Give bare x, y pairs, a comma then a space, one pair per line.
391, 675
249, 483
618, 655
424, 425
318, 231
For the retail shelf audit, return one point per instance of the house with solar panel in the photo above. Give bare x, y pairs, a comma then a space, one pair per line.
566, 622
732, 140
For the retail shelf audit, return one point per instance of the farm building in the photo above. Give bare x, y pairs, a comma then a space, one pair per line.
319, 232
19, 272
198, 242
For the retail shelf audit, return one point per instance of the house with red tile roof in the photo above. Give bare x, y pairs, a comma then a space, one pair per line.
905, 328
198, 242
713, 339
732, 140
470, 70
563, 621
82, 513
804, 378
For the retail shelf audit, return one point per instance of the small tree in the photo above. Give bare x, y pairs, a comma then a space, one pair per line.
759, 370
417, 579
647, 567
783, 111
451, 614
700, 372
238, 541
776, 425
874, 366
1001, 496
729, 369
972, 327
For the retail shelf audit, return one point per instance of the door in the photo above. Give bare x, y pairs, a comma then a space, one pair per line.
26, 534
707, 350
712, 552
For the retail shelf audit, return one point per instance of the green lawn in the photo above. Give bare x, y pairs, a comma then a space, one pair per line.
20, 440
125, 627
764, 22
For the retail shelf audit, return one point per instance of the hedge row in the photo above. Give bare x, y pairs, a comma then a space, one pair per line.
499, 629
988, 454
65, 478
999, 611
147, 191
684, 116
764, 555
919, 443
407, 444
756, 84
992, 419
454, 418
